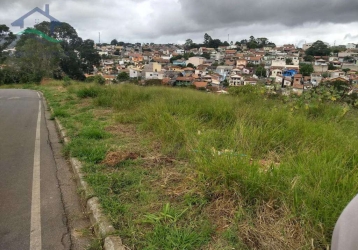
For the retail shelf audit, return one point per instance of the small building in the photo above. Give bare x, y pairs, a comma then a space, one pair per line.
235, 80
250, 81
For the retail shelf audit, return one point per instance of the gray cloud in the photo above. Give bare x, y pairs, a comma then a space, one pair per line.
211, 13
176, 20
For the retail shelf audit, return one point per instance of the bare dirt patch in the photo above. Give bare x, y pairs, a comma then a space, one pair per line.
114, 158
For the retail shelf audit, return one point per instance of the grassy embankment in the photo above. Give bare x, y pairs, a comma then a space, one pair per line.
181, 169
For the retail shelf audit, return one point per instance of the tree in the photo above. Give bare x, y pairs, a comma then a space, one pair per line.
174, 58
260, 71
318, 48
37, 58
100, 80
306, 69
225, 83
331, 66
345, 70
122, 77
206, 55
207, 39
188, 43
190, 65
309, 58
114, 42
348, 59
289, 61
341, 86
80, 56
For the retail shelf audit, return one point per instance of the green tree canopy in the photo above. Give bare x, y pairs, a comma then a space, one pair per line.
80, 56
289, 61
37, 58
190, 65
308, 58
306, 69
114, 42
318, 48
260, 71
123, 76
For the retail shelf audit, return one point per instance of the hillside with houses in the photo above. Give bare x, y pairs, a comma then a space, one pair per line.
215, 69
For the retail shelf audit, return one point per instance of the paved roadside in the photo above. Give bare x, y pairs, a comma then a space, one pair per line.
39, 207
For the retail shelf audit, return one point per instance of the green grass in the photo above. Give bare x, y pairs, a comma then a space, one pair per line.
235, 156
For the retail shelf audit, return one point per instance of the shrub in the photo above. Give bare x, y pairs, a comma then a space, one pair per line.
92, 91
66, 81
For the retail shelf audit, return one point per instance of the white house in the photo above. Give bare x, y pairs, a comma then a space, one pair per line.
154, 75
235, 80
276, 72
352, 46
135, 73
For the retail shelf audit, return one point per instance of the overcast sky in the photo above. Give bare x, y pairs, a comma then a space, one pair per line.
174, 21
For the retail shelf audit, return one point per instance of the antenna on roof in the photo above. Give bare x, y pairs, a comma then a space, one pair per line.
99, 37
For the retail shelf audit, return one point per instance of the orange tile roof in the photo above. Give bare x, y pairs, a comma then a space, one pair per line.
200, 84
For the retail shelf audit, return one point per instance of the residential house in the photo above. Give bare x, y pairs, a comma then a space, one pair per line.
224, 70
320, 62
306, 46
180, 51
241, 61
135, 73
179, 62
196, 60
246, 71
297, 84
283, 81
183, 81
276, 72
352, 46
256, 60
250, 81
188, 71
230, 53
288, 47
236, 71
200, 85
154, 75
316, 79
279, 62
230, 62
235, 80
153, 67
101, 53
336, 73
175, 68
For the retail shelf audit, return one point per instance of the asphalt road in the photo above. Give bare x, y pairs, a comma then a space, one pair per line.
33, 210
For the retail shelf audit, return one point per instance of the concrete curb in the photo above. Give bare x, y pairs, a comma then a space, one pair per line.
102, 226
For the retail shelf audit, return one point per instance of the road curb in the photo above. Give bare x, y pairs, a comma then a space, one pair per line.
102, 226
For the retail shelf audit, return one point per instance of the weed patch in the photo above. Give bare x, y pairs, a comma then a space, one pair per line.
182, 169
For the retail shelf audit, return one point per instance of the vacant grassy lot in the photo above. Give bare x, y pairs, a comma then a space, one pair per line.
182, 169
